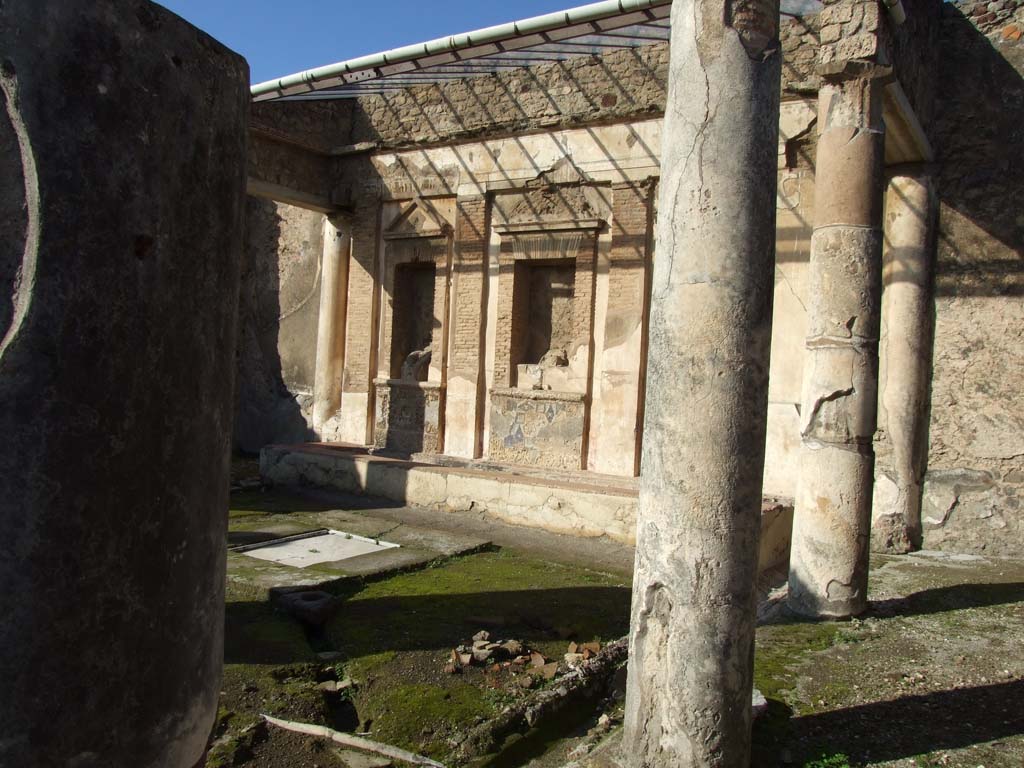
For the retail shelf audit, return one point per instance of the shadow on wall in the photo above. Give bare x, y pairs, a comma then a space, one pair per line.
267, 411
978, 133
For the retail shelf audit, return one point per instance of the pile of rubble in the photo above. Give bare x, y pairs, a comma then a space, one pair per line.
511, 654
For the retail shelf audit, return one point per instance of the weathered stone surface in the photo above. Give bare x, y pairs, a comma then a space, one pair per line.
278, 320
537, 428
854, 39
972, 511
314, 607
408, 416
692, 628
976, 422
18, 213
832, 518
122, 211
330, 333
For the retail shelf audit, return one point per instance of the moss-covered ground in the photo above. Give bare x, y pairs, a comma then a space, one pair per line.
932, 676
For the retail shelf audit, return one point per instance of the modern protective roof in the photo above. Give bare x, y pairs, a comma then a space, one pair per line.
587, 30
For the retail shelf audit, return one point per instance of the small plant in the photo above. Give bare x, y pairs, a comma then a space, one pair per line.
837, 760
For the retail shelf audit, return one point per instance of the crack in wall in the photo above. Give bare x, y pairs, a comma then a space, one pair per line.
785, 278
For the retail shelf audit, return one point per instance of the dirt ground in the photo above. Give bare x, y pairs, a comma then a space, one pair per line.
932, 676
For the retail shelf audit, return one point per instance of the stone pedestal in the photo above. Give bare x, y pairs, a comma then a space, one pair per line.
905, 344
692, 629
330, 336
829, 560
123, 137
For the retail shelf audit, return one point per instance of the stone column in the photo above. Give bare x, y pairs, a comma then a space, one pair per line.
122, 179
330, 335
829, 557
692, 630
905, 344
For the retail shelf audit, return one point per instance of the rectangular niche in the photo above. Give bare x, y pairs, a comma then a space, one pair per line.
543, 343
542, 313
413, 321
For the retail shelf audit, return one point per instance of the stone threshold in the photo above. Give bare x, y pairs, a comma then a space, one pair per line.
576, 503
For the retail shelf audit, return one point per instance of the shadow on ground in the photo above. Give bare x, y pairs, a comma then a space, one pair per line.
256, 633
916, 725
950, 598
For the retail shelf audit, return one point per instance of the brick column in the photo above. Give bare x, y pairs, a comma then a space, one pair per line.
362, 331
465, 380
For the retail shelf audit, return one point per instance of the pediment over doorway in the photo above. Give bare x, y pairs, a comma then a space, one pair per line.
418, 218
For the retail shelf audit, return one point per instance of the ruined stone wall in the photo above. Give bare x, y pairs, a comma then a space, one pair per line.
975, 479
408, 417
626, 83
493, 183
278, 308
318, 126
304, 174
915, 53
800, 39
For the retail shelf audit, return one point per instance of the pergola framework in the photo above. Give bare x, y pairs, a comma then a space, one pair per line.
589, 30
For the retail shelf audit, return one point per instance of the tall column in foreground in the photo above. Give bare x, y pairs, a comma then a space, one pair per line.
911, 207
829, 557
122, 182
692, 631
330, 334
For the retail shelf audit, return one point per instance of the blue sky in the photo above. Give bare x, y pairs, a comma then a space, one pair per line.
279, 38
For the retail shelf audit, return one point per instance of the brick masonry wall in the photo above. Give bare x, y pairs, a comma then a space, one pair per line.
465, 394
975, 481
362, 300
469, 265
628, 256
